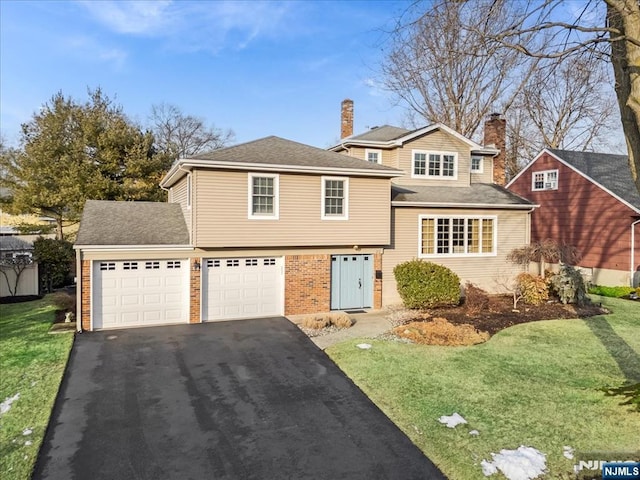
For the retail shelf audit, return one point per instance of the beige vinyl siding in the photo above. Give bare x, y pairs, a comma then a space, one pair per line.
221, 200
178, 194
436, 141
487, 173
389, 157
487, 272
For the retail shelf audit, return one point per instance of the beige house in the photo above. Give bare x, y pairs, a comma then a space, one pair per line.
275, 227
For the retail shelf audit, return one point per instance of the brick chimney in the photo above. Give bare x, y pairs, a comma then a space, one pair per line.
495, 132
346, 118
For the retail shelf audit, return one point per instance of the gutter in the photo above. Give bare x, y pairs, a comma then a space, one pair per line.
493, 206
266, 167
633, 252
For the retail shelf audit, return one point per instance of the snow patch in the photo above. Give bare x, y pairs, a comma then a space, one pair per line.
452, 421
6, 405
525, 463
27, 431
474, 432
28, 443
567, 452
364, 346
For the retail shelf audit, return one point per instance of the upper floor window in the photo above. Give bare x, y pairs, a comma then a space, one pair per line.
476, 164
545, 180
335, 198
263, 196
434, 164
457, 236
373, 156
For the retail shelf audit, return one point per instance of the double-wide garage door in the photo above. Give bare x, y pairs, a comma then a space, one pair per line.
234, 288
143, 292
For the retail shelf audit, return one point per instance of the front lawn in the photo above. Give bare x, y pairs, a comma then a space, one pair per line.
31, 367
535, 384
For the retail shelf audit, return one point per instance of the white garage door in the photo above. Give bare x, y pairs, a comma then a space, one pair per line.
142, 292
235, 288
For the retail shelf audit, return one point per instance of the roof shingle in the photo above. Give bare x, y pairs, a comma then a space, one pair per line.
132, 223
385, 133
475, 194
279, 151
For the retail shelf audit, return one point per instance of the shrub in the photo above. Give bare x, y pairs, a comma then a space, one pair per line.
64, 301
318, 322
440, 332
569, 286
55, 259
475, 299
426, 285
615, 292
533, 288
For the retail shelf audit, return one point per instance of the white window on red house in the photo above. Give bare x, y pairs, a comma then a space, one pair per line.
545, 180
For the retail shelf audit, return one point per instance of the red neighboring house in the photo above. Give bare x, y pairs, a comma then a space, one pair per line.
587, 200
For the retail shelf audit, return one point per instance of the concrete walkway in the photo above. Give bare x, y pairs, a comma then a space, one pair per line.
367, 325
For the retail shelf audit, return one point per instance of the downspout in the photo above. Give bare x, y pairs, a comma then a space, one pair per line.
633, 252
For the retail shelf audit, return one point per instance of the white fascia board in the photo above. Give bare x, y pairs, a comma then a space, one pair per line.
137, 248
526, 167
491, 206
278, 168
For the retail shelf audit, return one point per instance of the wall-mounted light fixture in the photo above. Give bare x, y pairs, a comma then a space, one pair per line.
196, 266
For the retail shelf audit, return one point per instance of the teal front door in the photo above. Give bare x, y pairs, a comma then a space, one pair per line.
351, 281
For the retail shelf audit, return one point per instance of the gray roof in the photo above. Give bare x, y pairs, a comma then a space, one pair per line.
14, 243
132, 223
609, 170
279, 151
385, 133
475, 194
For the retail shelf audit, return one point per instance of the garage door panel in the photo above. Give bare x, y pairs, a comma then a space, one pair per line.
242, 288
124, 295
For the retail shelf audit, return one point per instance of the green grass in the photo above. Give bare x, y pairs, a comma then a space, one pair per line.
31, 363
535, 384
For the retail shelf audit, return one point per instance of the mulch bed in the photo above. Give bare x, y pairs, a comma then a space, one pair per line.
499, 314
19, 299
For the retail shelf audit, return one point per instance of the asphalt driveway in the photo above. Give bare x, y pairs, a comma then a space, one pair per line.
252, 399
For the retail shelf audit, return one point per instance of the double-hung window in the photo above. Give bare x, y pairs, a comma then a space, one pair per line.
335, 198
434, 164
263, 196
544, 180
457, 236
373, 156
476, 165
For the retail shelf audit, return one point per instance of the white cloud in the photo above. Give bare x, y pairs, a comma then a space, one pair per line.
89, 48
195, 25
374, 87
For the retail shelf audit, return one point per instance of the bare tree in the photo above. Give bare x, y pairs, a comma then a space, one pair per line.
447, 65
183, 135
450, 75
607, 29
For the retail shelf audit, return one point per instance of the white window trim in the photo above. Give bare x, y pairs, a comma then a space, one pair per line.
345, 205
373, 150
457, 255
545, 173
276, 196
434, 152
189, 190
481, 169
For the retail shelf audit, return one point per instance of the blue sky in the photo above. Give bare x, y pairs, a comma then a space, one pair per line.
259, 68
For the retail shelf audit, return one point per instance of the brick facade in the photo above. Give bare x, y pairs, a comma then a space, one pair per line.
377, 282
307, 284
85, 291
194, 290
